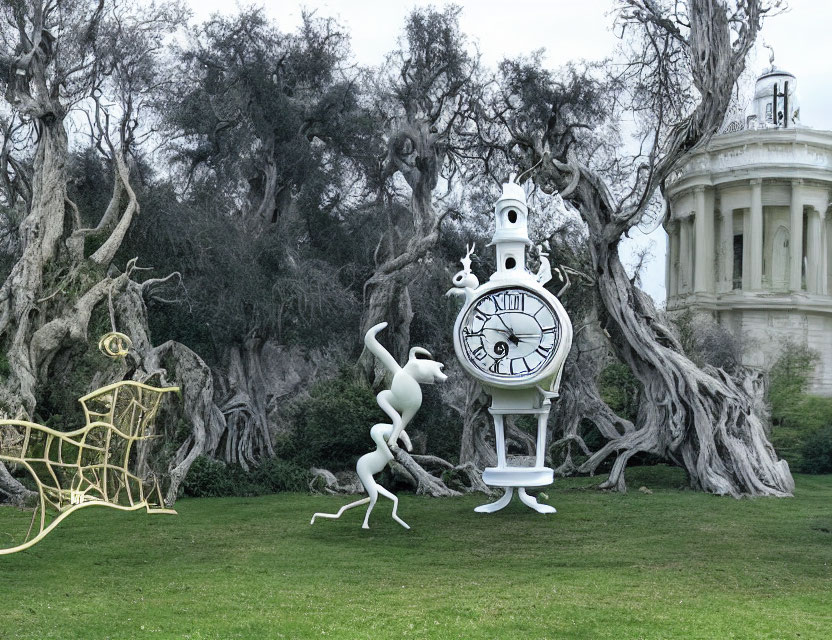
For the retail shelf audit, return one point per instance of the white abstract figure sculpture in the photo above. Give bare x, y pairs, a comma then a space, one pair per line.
544, 273
464, 281
400, 402
513, 335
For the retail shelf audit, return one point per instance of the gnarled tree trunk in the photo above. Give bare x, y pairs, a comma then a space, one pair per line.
700, 418
247, 438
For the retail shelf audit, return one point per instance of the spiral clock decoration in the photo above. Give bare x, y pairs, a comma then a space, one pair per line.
115, 345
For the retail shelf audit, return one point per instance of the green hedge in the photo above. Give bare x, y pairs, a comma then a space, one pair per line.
817, 452
209, 478
332, 425
801, 423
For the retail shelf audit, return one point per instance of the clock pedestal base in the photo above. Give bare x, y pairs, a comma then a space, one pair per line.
531, 501
519, 478
499, 504
525, 498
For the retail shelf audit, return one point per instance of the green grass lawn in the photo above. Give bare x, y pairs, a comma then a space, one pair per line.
671, 564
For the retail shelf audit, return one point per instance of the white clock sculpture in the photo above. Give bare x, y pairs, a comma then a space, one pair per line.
513, 336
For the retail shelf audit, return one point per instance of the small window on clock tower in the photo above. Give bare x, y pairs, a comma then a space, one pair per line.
510, 263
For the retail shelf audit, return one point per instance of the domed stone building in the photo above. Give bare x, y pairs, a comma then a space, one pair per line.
749, 231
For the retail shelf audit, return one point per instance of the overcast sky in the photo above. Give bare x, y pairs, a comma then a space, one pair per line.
570, 29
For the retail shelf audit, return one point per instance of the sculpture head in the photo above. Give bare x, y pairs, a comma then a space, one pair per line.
422, 370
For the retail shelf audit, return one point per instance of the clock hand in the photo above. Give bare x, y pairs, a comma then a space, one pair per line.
504, 323
513, 339
505, 332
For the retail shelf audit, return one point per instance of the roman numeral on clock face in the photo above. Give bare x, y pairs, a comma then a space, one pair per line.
514, 301
519, 365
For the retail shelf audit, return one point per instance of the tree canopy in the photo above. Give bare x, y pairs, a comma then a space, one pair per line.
247, 201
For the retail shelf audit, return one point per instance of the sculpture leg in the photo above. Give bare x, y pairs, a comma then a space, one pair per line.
373, 491
340, 511
384, 401
531, 501
394, 498
499, 504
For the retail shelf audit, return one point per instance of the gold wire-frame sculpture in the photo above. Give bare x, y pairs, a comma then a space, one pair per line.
104, 463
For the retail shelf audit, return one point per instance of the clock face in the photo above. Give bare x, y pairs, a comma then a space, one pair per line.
510, 334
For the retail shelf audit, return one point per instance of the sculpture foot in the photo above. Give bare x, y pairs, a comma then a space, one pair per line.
499, 504
531, 502
335, 516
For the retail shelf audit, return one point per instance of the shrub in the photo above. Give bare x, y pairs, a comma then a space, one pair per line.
276, 476
441, 425
706, 342
332, 424
209, 478
798, 418
817, 452
788, 381
620, 389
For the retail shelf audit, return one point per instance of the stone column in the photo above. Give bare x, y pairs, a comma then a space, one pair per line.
684, 256
704, 241
726, 271
796, 238
823, 285
673, 259
746, 250
813, 233
756, 280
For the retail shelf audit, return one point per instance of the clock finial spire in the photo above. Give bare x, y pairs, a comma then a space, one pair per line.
511, 231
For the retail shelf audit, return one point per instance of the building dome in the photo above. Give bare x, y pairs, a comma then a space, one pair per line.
775, 101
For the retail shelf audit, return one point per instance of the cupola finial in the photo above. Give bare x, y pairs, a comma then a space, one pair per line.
771, 54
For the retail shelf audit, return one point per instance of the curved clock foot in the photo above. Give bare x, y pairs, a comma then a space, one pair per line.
531, 501
499, 504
